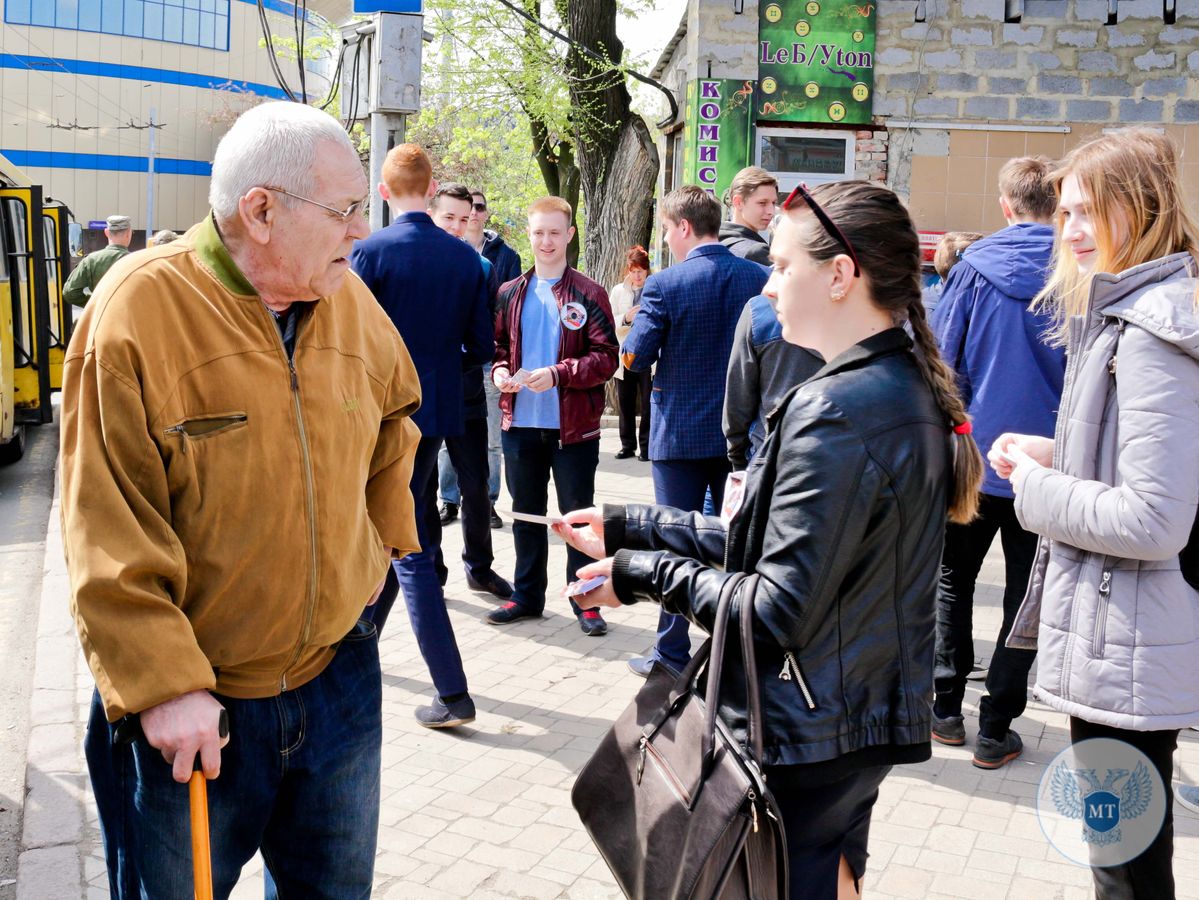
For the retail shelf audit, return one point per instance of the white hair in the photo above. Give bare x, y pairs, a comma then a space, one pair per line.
274, 144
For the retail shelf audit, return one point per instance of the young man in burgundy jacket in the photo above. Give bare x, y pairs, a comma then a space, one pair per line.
555, 349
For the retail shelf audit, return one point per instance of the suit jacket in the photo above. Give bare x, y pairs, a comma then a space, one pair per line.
435, 291
686, 324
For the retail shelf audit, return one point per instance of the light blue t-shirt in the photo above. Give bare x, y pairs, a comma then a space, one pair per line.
540, 338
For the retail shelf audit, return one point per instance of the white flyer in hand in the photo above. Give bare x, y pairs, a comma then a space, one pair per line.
520, 376
536, 520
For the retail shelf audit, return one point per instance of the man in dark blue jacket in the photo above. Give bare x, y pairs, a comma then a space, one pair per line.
1011, 380
688, 315
434, 290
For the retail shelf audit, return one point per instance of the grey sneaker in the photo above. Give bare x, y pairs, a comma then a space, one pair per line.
991, 754
950, 731
1187, 795
438, 715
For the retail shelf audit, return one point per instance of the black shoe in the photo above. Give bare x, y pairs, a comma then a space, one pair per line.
950, 731
439, 715
490, 583
624, 453
496, 522
592, 623
991, 754
508, 613
644, 457
449, 512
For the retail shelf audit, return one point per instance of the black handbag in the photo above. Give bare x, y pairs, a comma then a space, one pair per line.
676, 806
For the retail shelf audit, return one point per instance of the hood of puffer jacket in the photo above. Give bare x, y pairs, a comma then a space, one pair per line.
1016, 260
1166, 310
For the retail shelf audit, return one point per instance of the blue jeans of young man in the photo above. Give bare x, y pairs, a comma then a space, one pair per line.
684, 484
416, 578
299, 780
448, 478
467, 453
530, 456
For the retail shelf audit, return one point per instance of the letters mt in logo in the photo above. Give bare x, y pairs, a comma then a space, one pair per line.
1078, 794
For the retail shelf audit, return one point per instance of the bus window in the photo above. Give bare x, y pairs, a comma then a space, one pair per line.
20, 248
50, 239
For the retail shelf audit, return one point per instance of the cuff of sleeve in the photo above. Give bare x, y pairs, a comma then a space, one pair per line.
622, 577
558, 371
614, 532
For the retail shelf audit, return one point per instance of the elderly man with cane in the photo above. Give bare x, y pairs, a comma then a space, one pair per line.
236, 453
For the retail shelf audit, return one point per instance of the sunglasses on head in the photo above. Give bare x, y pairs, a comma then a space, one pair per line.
830, 227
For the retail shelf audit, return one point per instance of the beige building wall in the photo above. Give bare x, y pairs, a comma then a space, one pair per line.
958, 191
33, 101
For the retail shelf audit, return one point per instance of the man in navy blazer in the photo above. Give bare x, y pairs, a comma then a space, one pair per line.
433, 288
688, 317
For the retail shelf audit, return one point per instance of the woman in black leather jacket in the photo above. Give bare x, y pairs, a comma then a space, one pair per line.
842, 514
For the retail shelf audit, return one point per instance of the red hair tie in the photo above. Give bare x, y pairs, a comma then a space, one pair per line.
964, 428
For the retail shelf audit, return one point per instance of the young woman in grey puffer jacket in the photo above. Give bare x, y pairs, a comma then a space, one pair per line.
1114, 494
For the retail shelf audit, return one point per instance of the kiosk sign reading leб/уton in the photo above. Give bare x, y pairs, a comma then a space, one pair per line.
815, 61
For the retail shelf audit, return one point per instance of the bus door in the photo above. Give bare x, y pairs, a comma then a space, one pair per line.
55, 239
30, 304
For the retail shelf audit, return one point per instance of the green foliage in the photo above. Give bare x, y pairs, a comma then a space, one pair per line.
486, 151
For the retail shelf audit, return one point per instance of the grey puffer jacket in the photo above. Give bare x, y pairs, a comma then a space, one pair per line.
1107, 608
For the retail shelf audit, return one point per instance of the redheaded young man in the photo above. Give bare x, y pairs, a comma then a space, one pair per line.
554, 327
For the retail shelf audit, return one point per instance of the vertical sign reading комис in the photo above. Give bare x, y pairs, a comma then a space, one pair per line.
716, 142
815, 61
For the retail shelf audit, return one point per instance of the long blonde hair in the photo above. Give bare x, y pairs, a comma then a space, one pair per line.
1129, 174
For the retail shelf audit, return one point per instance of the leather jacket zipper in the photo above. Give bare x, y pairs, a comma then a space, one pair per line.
791, 672
310, 497
1099, 642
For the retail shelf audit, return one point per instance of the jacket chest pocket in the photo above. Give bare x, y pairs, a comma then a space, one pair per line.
198, 428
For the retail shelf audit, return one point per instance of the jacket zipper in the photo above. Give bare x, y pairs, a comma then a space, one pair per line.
1074, 345
310, 497
1099, 642
182, 432
791, 672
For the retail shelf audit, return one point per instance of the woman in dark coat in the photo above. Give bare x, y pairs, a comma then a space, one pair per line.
842, 515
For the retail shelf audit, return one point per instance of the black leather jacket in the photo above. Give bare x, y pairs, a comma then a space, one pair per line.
844, 519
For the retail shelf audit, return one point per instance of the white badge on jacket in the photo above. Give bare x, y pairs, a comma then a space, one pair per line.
734, 497
574, 316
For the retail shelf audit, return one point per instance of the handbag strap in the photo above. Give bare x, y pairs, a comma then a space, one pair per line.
716, 667
753, 691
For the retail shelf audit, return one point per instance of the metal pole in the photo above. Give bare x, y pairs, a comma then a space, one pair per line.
379, 148
387, 130
150, 183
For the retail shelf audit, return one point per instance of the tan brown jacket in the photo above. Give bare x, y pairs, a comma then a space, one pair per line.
224, 514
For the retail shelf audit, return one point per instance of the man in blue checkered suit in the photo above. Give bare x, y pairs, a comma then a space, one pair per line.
688, 315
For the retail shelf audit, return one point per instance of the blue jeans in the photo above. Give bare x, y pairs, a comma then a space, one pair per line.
416, 578
299, 780
530, 456
689, 485
447, 478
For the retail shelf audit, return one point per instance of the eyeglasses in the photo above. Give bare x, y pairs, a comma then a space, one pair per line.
830, 227
480, 207
357, 208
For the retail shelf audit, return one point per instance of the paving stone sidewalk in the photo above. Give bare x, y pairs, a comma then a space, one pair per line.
484, 811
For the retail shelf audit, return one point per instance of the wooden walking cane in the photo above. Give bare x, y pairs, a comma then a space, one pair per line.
197, 790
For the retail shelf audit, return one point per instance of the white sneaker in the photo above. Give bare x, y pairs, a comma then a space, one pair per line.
1187, 795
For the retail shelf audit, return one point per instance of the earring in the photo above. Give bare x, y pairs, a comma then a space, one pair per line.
837, 295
